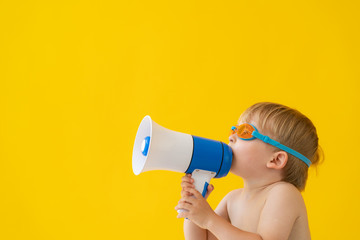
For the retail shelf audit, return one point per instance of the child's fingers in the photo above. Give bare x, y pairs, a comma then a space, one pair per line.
185, 193
183, 214
186, 184
194, 192
188, 199
184, 208
187, 178
183, 205
209, 190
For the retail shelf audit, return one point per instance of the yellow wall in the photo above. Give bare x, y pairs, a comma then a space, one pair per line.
77, 77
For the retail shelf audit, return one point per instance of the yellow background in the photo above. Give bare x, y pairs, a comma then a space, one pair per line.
77, 77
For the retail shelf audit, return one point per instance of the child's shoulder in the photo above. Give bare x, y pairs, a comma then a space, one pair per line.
233, 194
275, 190
282, 189
285, 196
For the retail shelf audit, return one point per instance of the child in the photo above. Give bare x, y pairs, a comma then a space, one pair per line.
273, 146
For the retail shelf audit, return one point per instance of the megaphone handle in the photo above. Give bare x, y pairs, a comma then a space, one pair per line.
202, 179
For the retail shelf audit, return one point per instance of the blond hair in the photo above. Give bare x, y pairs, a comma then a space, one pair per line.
294, 130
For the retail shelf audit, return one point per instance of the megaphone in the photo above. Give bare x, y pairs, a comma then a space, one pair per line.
158, 148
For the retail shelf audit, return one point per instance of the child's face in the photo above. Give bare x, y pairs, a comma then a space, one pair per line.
249, 157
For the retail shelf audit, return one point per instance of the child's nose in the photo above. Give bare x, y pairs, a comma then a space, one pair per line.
232, 138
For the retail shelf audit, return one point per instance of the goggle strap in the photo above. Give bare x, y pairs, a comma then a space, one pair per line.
270, 141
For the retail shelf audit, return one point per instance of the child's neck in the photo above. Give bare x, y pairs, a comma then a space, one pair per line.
256, 185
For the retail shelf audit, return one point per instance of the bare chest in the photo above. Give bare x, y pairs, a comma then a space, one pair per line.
244, 213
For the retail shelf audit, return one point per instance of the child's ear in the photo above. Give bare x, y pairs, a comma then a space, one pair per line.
278, 161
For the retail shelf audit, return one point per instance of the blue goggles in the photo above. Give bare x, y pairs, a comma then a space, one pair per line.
249, 132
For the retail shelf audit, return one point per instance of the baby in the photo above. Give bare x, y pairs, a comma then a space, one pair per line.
273, 147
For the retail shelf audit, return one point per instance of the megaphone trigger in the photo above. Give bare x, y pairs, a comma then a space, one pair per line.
205, 189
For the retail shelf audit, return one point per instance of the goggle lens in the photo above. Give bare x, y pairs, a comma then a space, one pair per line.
243, 131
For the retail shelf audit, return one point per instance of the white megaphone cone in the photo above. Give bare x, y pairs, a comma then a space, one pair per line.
158, 148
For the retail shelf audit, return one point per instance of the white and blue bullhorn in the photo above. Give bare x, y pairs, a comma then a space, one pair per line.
158, 148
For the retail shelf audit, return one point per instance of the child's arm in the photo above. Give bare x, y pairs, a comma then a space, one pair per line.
192, 231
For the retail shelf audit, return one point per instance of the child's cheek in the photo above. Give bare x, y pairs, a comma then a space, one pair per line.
237, 160
243, 158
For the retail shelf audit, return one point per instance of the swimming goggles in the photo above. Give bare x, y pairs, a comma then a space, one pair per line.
249, 132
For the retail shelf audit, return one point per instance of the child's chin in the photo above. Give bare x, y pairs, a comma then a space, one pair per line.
235, 172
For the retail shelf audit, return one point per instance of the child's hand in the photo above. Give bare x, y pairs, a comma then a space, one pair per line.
188, 182
197, 208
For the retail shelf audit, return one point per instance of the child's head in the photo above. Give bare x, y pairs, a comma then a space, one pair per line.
292, 129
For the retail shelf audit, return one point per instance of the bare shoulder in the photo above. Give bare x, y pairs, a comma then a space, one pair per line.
284, 186
231, 196
284, 202
283, 191
222, 208
234, 193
